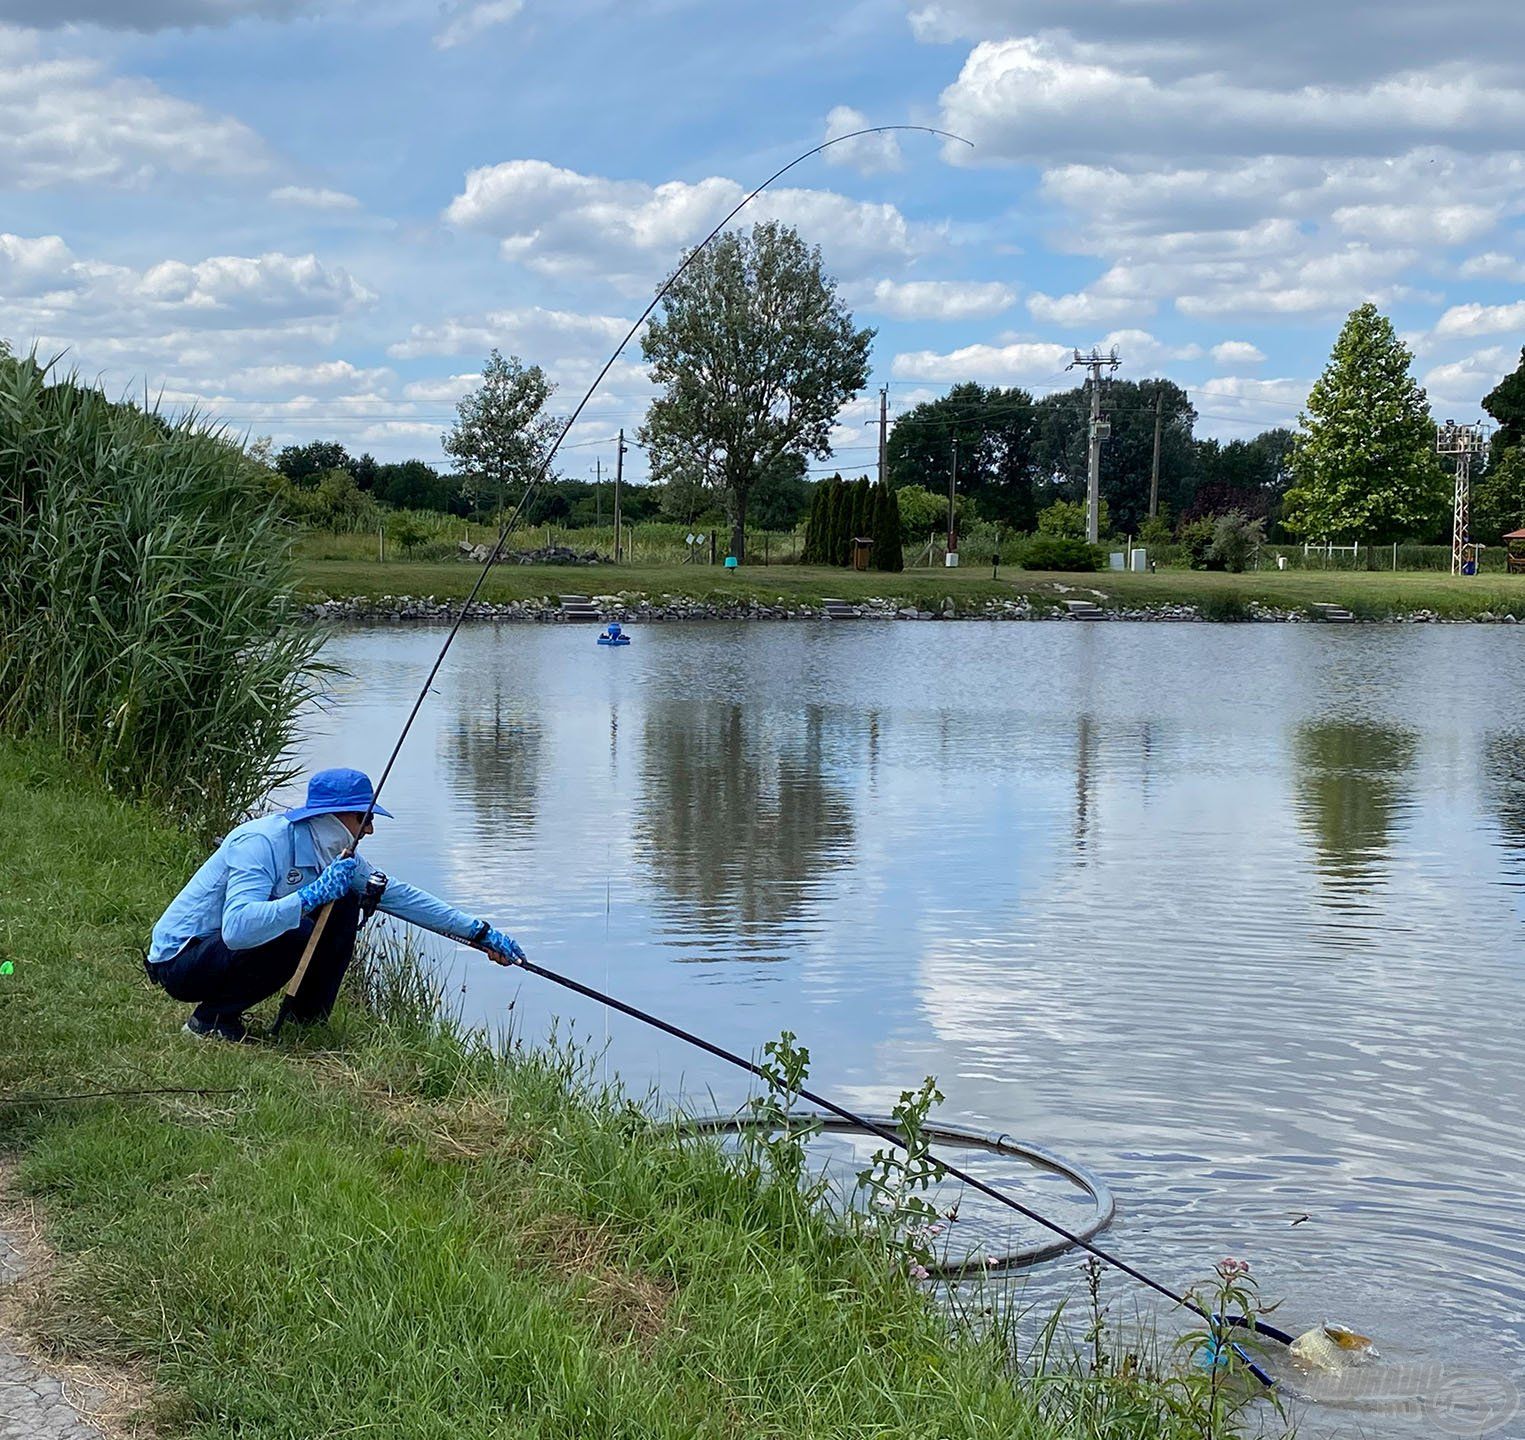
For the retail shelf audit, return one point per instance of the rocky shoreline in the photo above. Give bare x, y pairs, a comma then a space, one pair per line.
637, 609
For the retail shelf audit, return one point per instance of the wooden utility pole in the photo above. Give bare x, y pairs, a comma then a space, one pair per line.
619, 474
1154, 468
598, 494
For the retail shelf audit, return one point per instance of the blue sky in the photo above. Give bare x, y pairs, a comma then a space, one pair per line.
316, 216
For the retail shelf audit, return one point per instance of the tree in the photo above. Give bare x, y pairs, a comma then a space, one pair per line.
1364, 460
862, 521
501, 436
889, 543
815, 526
1236, 537
1506, 403
1066, 519
924, 513
302, 464
997, 434
1498, 497
417, 485
755, 355
782, 494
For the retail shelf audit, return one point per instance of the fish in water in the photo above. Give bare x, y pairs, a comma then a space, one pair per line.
1332, 1348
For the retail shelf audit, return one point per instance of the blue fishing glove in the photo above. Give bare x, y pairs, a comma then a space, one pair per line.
333, 884
503, 948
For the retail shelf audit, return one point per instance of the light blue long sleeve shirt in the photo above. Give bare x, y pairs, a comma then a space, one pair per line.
246, 892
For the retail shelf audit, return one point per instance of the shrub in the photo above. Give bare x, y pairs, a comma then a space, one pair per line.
1196, 539
1235, 539
1060, 552
1067, 519
923, 513
145, 576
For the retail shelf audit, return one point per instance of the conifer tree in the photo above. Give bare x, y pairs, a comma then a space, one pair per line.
841, 520
1364, 460
815, 524
889, 550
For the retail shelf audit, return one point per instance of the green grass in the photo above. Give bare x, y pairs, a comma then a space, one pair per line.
394, 1229
1370, 594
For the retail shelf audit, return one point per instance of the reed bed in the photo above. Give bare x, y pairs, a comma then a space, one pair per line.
146, 627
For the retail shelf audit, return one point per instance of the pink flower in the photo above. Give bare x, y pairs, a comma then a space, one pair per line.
919, 1272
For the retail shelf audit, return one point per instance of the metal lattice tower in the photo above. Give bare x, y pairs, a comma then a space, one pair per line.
1462, 441
1095, 363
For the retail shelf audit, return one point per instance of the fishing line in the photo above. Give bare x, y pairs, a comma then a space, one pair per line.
885, 1132
600, 997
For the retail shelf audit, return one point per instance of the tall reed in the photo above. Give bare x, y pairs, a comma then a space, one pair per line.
145, 621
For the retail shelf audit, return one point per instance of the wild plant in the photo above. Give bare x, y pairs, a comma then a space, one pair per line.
1219, 1385
895, 1182
775, 1137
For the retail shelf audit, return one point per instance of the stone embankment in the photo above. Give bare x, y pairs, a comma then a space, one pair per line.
637, 608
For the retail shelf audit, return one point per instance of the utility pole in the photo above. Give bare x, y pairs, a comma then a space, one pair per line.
619, 474
1462, 441
952, 507
1095, 362
598, 494
884, 429
1154, 468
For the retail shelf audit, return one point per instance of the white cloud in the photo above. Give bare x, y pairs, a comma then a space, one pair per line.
446, 390
941, 299
469, 18
1233, 406
563, 223
1462, 321
1235, 354
326, 374
1417, 224
66, 121
1099, 305
1461, 384
311, 198
1014, 364
39, 265
527, 332
867, 154
1142, 351
1494, 266
1030, 98
238, 286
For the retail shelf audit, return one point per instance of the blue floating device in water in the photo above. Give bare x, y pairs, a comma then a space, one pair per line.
614, 635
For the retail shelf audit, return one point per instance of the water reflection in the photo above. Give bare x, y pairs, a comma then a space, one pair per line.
738, 823
494, 757
1504, 783
1352, 784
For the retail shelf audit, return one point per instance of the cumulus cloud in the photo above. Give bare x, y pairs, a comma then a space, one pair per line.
1014, 364
67, 121
528, 331
1461, 384
1293, 42
1462, 321
467, 19
1417, 224
1026, 99
311, 198
325, 375
1236, 354
941, 299
1233, 406
1493, 266
1108, 300
868, 154
562, 223
147, 15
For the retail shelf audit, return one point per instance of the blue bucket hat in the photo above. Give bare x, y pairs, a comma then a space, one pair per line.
333, 792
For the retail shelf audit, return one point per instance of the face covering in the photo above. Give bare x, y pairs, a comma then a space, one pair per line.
330, 837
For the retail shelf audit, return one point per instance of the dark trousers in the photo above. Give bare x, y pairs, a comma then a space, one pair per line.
226, 982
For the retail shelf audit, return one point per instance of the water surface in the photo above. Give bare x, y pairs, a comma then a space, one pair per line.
1232, 914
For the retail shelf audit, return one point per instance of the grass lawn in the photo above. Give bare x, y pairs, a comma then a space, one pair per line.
390, 1230
1371, 594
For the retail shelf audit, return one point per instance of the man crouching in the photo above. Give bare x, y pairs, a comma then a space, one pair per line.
237, 931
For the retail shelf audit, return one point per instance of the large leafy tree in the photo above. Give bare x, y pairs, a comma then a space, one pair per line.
1506, 403
755, 355
996, 431
1364, 463
306, 464
1250, 476
501, 435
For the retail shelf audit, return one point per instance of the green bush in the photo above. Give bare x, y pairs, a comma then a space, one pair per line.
145, 576
1060, 552
1196, 539
1236, 538
1066, 519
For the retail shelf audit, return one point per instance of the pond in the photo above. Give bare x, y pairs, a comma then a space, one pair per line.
1231, 914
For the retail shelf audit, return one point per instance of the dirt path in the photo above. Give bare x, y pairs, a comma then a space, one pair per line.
44, 1401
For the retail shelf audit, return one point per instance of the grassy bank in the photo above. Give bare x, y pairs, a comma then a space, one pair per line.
393, 1230
1369, 594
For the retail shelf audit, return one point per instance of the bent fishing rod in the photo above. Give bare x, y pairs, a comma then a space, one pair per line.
506, 528
832, 1107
